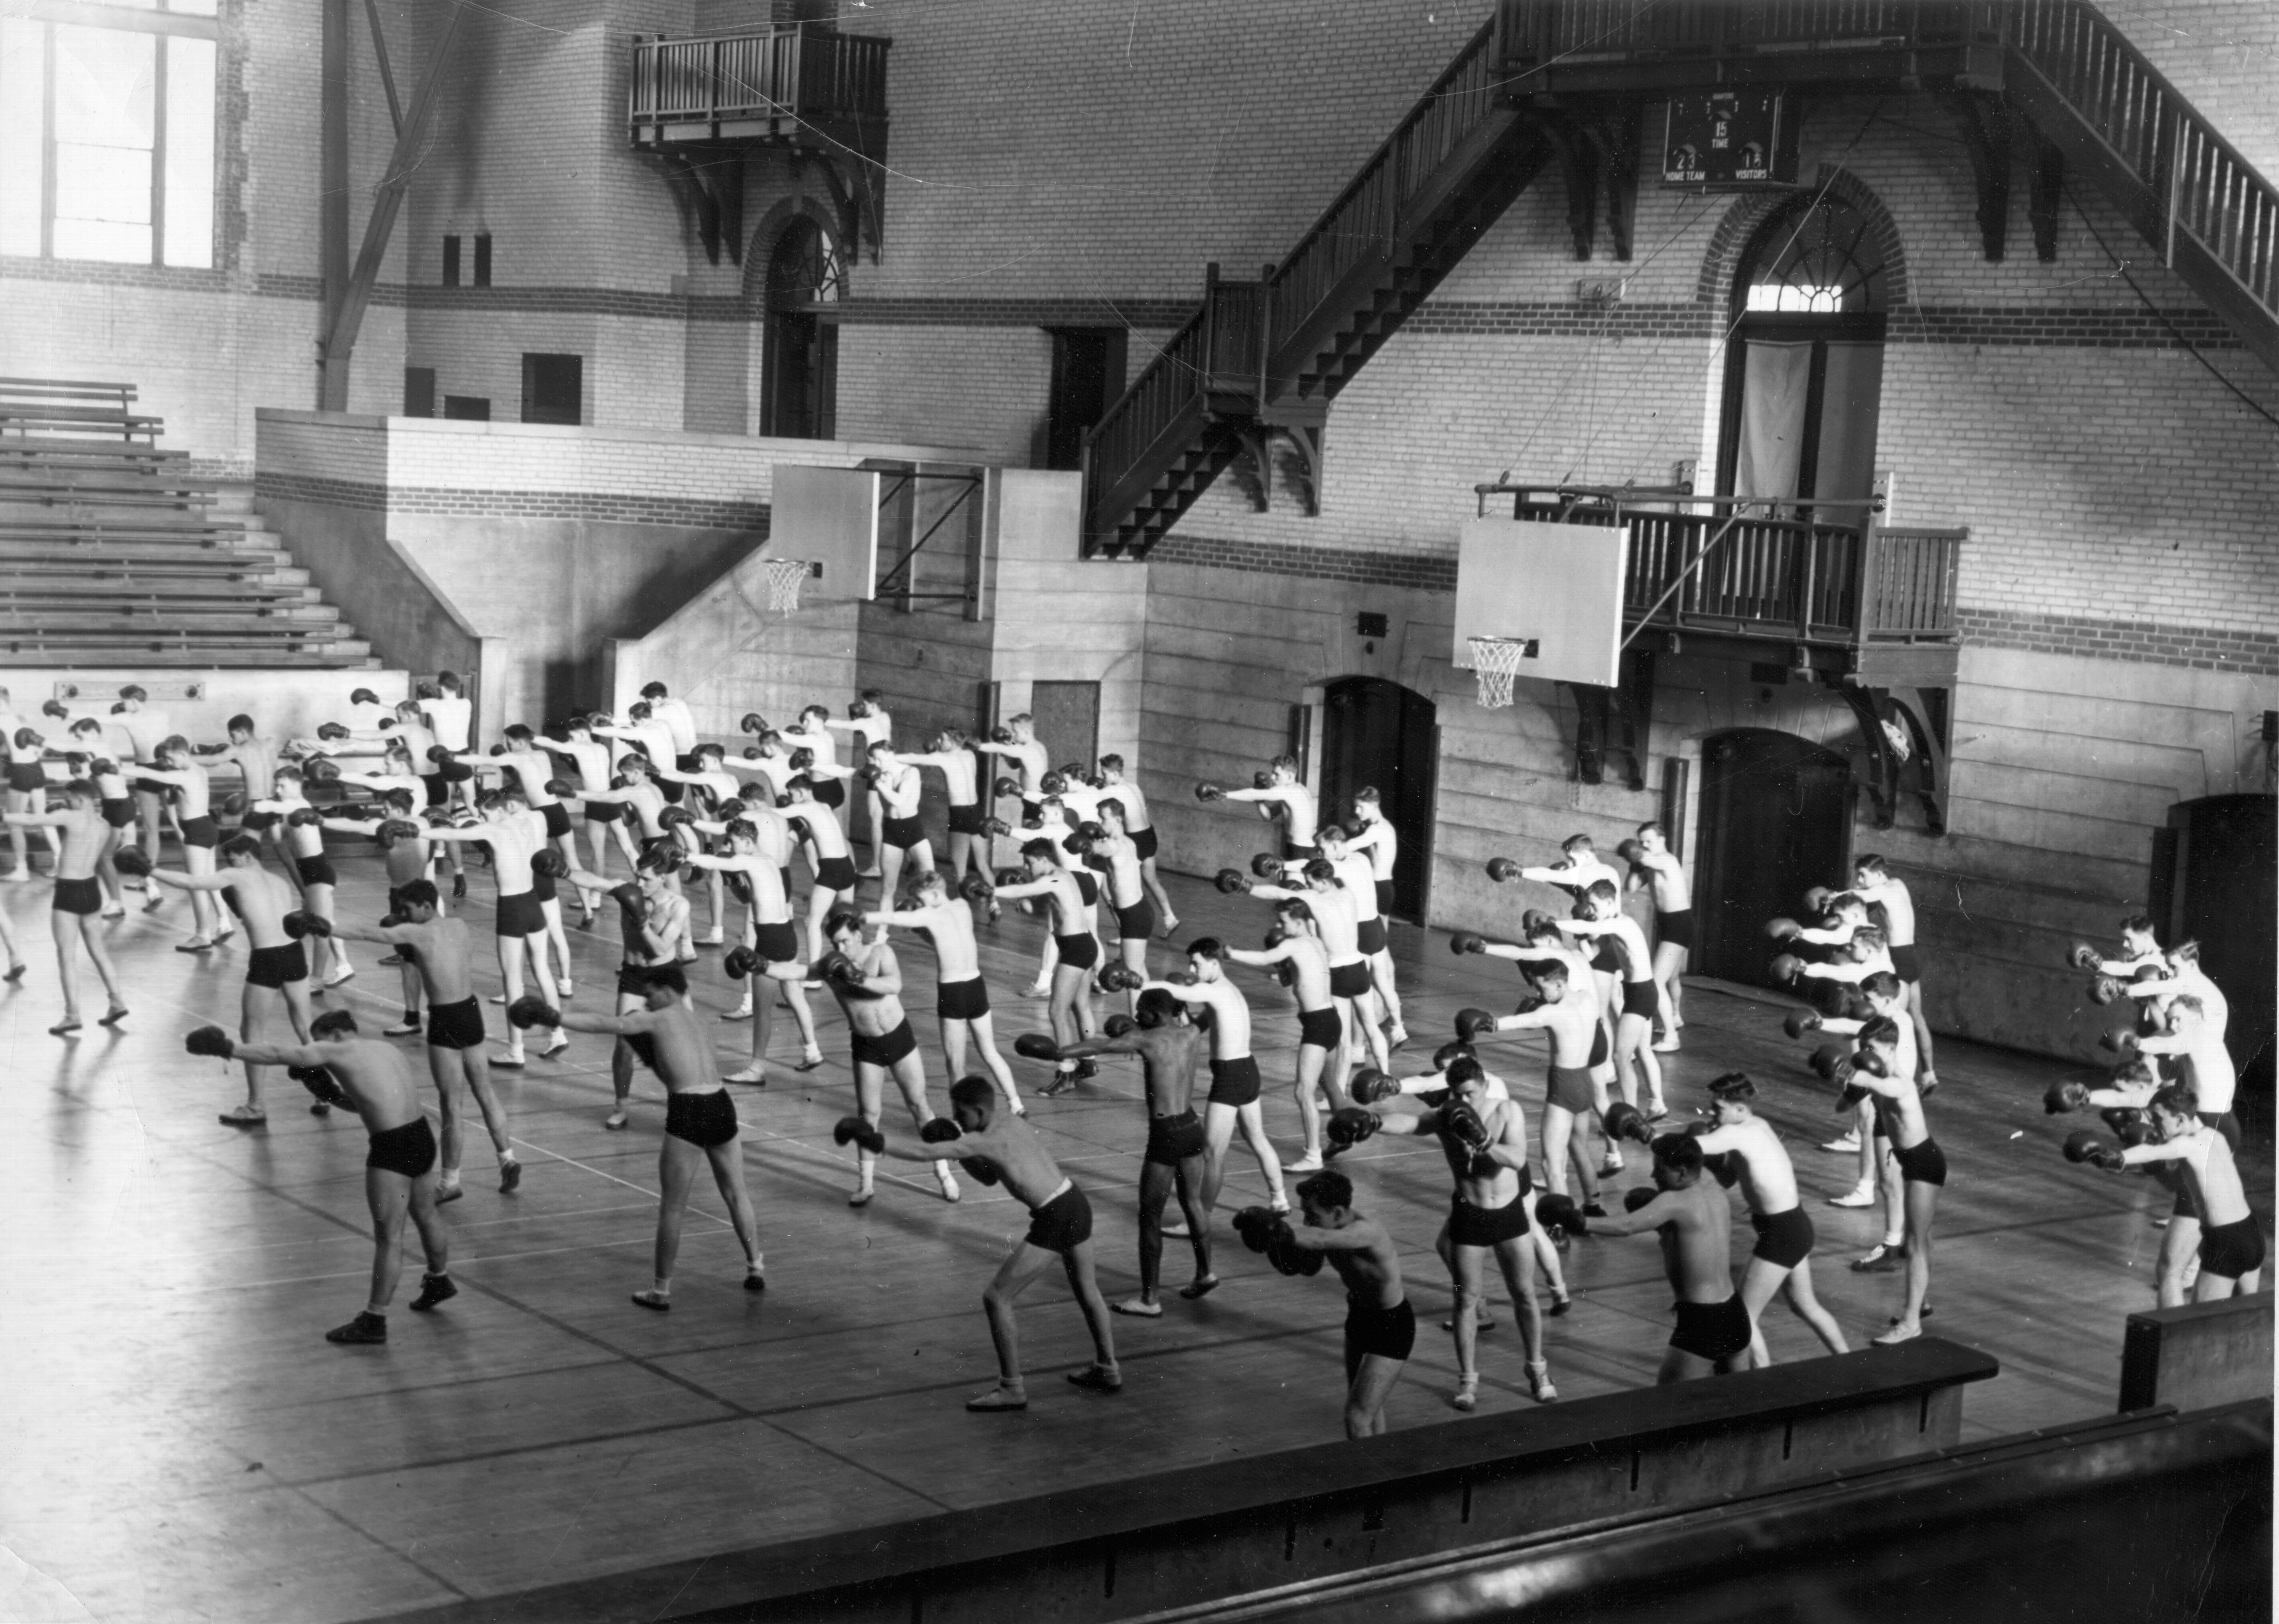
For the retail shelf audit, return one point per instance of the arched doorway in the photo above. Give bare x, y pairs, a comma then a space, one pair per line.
1378, 733
1804, 371
800, 367
1775, 819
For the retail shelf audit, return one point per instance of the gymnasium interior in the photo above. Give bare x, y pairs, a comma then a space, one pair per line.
1845, 427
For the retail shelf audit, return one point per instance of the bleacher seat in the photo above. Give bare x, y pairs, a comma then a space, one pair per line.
113, 553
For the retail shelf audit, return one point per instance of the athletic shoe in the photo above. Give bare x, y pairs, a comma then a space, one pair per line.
366, 1328
1881, 1260
1848, 1144
510, 1176
433, 1288
1310, 1162
1468, 1393
999, 1399
408, 1027
340, 973
1538, 1383
1859, 1195
1097, 1379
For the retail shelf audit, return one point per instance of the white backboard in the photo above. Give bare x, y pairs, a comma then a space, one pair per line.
1559, 586
829, 516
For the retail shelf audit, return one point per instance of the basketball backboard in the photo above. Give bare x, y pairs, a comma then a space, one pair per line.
1557, 586
829, 516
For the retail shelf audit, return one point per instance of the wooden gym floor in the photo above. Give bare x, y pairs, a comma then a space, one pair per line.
182, 1443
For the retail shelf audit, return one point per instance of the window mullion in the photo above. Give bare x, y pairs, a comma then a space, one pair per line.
47, 141
158, 150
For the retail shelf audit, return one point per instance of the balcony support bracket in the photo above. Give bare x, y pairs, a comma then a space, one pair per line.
710, 191
1617, 719
1985, 122
1904, 731
2044, 193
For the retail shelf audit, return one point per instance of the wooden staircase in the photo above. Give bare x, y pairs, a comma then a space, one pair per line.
113, 555
1566, 80
1266, 357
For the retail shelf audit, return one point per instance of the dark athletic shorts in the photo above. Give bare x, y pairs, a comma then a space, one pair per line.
902, 833
315, 871
1350, 980
438, 788
1291, 852
78, 896
706, 1119
967, 819
409, 1149
455, 1026
557, 819
829, 792
604, 812
1922, 1164
1676, 929
1087, 888
1485, 1226
1078, 951
1389, 1333
2229, 1251
1906, 963
120, 812
1640, 999
1568, 1087
1173, 1140
1063, 1223
961, 1000
273, 966
1137, 923
202, 832
1234, 1082
1384, 897
1143, 841
1370, 936
1783, 1238
1322, 1028
1604, 959
1032, 813
519, 914
635, 980
1600, 1049
25, 777
1712, 1331
2228, 1125
886, 1047
777, 944
834, 874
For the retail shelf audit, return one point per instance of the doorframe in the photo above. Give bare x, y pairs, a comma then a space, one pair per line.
1685, 844
1309, 727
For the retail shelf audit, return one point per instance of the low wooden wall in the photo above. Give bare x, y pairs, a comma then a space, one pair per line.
2198, 1355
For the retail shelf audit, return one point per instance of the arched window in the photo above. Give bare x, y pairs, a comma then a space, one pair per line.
800, 366
1805, 369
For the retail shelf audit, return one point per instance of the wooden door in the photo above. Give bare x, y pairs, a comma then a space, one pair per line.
1376, 732
1775, 819
2213, 882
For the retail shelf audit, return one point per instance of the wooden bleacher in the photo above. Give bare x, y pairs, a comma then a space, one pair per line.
113, 553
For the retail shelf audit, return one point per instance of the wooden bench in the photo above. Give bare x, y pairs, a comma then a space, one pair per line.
2198, 1355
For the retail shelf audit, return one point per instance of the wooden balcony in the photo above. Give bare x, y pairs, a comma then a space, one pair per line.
1854, 603
800, 85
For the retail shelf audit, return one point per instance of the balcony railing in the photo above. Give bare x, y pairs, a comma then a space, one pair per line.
1802, 579
730, 84
1536, 32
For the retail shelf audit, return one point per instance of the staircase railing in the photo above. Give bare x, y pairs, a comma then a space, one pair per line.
1164, 394
1362, 222
1533, 32
2197, 182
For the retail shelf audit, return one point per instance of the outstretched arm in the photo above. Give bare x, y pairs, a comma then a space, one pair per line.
278, 1054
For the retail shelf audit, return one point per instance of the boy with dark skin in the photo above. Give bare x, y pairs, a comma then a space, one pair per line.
1232, 1101
1178, 1153
75, 915
342, 1068
998, 1146
1690, 1216
1380, 1326
438, 948
277, 971
700, 1121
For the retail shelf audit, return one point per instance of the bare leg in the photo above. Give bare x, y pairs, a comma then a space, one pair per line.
1366, 1393
1464, 1268
1024, 1264
1380, 976
677, 1161
728, 1178
1306, 1084
984, 1029
1252, 1121
387, 1194
1518, 1263
1085, 1283
1634, 1048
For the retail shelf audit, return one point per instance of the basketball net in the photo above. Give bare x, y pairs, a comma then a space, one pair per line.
784, 576
1495, 661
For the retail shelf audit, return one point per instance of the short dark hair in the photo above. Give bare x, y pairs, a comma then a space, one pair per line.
1205, 947
842, 919
1464, 1069
2140, 924
240, 845
332, 1020
240, 723
1449, 1052
1680, 1152
1882, 1029
1112, 760
975, 1094
1328, 1189
1882, 983
1869, 863
1155, 1006
1547, 969
419, 893
1320, 868
654, 690
1037, 848
2178, 1100
1732, 1086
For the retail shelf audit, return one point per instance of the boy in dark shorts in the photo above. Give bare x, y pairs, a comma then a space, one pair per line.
339, 1067
699, 1121
81, 837
1380, 1326
1695, 1224
1178, 1154
998, 1146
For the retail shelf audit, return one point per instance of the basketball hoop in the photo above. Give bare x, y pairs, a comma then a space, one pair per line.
784, 576
1495, 661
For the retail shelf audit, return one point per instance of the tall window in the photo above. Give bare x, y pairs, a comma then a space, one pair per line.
107, 136
800, 366
1805, 371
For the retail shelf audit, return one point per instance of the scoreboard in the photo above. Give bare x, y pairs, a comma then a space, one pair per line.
1730, 140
